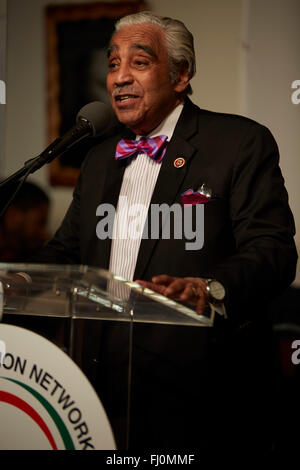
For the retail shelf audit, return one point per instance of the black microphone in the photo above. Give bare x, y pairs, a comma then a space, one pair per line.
93, 119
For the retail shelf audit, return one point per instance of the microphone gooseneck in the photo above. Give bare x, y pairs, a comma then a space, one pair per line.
93, 120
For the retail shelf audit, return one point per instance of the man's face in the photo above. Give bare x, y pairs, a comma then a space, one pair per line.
138, 80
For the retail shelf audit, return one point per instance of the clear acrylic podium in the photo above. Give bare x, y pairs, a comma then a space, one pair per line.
93, 316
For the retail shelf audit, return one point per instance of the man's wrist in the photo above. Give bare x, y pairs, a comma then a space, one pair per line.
215, 291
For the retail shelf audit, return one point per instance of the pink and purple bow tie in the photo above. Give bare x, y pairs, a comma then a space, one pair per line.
154, 147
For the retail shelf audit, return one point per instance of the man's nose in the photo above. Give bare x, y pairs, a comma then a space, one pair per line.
123, 75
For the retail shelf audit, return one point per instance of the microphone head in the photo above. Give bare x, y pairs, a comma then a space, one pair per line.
100, 117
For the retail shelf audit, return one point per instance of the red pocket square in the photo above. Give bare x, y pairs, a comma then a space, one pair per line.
192, 198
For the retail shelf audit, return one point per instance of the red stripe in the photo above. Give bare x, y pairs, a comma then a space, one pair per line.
22, 405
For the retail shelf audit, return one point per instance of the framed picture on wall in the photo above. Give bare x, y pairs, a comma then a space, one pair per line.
77, 38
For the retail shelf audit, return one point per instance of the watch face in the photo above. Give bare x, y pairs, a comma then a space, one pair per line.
217, 291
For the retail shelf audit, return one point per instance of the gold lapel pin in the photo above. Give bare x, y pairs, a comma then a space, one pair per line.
179, 162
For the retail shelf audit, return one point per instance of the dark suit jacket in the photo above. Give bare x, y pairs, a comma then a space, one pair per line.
248, 246
248, 239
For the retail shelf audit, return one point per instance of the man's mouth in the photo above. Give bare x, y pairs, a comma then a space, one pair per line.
121, 98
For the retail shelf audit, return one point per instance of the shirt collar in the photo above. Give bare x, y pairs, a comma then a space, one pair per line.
167, 126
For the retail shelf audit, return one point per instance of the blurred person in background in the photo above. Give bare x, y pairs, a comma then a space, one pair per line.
23, 227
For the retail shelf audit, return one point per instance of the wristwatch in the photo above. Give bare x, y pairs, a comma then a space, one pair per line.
215, 291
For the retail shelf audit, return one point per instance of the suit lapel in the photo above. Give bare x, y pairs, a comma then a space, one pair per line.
112, 187
170, 179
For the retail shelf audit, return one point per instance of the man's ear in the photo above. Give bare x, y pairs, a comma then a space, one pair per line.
183, 80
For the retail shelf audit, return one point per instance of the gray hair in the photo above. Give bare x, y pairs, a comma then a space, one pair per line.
179, 41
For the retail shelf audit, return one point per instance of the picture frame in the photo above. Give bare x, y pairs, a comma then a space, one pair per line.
77, 36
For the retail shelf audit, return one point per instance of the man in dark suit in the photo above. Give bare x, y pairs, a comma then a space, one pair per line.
189, 384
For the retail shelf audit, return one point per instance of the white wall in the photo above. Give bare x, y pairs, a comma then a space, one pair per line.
216, 30
216, 27
247, 58
26, 96
272, 63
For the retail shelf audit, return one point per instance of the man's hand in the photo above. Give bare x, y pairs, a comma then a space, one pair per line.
184, 289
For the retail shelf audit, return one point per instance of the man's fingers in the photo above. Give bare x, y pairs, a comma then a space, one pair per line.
190, 293
150, 285
191, 290
142, 283
176, 287
201, 305
163, 279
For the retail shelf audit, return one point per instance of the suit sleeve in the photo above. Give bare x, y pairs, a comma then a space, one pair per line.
263, 228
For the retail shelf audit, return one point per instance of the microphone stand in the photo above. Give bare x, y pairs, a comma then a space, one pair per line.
82, 129
30, 166
58, 147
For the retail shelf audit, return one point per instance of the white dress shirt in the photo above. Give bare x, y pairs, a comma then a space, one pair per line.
134, 199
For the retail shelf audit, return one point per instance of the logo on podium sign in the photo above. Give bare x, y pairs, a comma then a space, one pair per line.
46, 402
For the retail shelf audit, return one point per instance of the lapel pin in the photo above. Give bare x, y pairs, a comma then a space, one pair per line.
179, 162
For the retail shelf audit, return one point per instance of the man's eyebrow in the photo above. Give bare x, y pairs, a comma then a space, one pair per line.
110, 49
145, 48
138, 46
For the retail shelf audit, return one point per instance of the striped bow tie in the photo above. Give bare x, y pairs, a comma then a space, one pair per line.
154, 147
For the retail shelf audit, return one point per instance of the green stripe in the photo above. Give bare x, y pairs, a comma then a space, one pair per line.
68, 443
